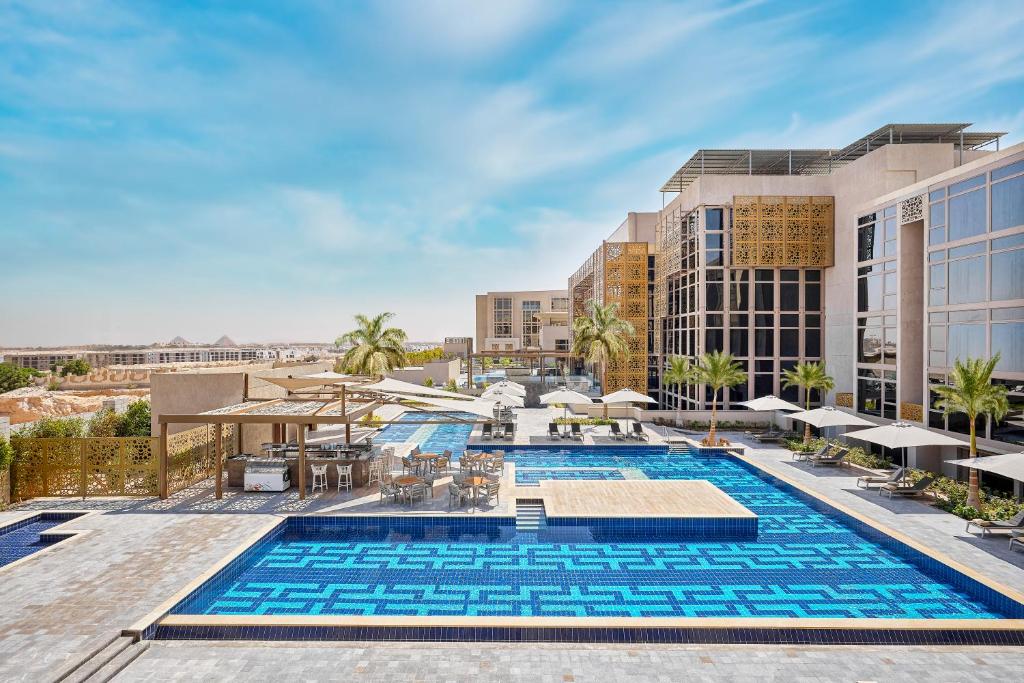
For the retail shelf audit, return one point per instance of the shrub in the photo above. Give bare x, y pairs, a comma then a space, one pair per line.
137, 420
53, 384
428, 382
6, 453
104, 423
858, 456
75, 366
450, 385
12, 377
54, 427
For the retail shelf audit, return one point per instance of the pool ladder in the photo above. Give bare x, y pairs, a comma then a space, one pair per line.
530, 515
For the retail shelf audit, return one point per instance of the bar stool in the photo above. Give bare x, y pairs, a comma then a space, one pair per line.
319, 477
344, 477
375, 473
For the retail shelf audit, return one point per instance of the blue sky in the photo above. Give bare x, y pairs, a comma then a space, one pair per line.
269, 169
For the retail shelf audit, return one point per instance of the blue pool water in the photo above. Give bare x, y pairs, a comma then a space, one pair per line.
23, 538
808, 560
432, 438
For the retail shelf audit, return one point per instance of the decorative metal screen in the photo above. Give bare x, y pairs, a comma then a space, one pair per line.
115, 466
783, 231
912, 209
190, 455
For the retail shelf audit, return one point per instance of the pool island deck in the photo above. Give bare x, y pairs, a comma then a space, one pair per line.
637, 498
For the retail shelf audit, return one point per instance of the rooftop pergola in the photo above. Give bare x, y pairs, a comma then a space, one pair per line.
327, 403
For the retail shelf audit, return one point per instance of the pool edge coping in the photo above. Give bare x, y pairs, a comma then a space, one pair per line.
70, 535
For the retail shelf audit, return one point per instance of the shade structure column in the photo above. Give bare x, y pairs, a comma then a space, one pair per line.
218, 444
301, 429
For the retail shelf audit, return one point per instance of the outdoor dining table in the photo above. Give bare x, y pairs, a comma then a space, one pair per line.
476, 461
406, 481
426, 459
475, 482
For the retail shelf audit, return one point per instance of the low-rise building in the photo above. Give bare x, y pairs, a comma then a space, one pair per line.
523, 321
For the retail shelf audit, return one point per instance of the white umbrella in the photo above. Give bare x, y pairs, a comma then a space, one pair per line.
769, 404
506, 387
565, 397
1009, 465
904, 435
626, 396
508, 400
827, 416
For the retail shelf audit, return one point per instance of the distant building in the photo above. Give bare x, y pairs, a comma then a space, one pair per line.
523, 321
458, 347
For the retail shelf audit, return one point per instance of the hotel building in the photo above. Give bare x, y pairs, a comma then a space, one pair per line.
523, 321
888, 258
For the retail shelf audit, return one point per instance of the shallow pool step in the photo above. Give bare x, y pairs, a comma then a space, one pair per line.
678, 449
530, 516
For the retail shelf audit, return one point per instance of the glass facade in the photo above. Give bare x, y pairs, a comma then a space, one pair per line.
531, 324
503, 317
768, 318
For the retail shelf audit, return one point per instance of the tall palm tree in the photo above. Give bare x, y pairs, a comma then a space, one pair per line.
972, 393
809, 376
376, 349
717, 370
602, 337
679, 372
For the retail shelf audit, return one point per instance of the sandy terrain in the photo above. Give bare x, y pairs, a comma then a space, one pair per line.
31, 403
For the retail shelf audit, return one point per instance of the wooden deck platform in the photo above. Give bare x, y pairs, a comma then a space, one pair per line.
636, 498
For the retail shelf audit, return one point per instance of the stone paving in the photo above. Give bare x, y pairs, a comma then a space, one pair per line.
62, 604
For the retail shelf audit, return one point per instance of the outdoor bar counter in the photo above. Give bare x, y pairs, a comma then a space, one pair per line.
360, 468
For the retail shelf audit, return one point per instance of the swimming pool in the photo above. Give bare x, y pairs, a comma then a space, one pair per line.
809, 562
432, 438
27, 536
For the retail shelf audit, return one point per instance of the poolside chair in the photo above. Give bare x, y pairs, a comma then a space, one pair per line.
575, 431
553, 431
806, 455
915, 490
1015, 523
834, 457
496, 463
415, 491
441, 465
389, 490
487, 433
510, 431
409, 465
458, 493
867, 480
638, 432
490, 490
1016, 540
616, 432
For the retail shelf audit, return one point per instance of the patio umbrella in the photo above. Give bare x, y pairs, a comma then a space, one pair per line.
827, 416
506, 400
904, 435
565, 397
626, 396
1010, 465
770, 404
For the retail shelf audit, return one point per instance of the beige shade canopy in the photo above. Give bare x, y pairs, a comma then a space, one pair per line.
310, 381
389, 385
769, 403
827, 416
626, 396
478, 407
505, 387
1009, 465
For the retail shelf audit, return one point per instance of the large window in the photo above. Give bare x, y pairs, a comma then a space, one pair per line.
967, 210
503, 316
531, 323
876, 393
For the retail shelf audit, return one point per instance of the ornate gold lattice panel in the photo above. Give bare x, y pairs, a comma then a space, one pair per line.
625, 283
190, 455
781, 231
844, 400
115, 466
911, 411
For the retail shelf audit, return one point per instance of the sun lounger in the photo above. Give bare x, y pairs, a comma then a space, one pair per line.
487, 433
616, 432
806, 455
833, 457
575, 431
1015, 523
915, 490
1017, 540
867, 480
553, 431
638, 432
509, 431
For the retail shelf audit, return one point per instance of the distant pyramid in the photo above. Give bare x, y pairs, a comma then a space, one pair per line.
225, 340
179, 341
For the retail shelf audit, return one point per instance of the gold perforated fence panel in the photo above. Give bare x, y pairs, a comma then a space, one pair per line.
625, 283
115, 466
783, 231
190, 455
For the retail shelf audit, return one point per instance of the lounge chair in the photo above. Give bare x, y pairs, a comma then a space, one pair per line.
834, 457
638, 432
389, 490
510, 430
553, 431
617, 433
1015, 523
867, 480
1017, 539
575, 431
805, 455
915, 490
487, 433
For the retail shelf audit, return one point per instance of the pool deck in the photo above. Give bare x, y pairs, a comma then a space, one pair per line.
637, 498
61, 605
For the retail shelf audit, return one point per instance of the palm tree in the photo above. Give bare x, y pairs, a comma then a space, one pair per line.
376, 349
717, 370
602, 337
679, 372
810, 376
972, 393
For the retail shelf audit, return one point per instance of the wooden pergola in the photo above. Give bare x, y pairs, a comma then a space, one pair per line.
304, 409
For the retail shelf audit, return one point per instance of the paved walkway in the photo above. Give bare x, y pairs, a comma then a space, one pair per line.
60, 605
